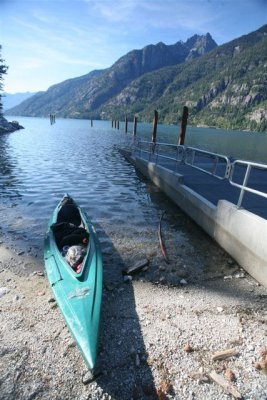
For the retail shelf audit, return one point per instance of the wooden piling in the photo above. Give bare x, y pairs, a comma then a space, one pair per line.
126, 124
118, 124
183, 126
134, 126
155, 124
52, 118
91, 122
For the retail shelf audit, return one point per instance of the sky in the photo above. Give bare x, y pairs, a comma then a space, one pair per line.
45, 42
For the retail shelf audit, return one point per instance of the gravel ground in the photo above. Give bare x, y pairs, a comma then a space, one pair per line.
159, 331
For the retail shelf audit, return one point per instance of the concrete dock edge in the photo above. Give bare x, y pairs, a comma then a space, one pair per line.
241, 233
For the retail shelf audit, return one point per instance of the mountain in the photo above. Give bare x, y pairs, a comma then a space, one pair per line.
10, 100
223, 86
81, 97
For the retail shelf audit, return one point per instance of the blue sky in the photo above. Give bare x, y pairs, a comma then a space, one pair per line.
48, 41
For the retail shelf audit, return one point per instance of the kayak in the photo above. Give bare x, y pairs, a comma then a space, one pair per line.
78, 292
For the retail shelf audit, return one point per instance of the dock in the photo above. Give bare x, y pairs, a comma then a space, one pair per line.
226, 198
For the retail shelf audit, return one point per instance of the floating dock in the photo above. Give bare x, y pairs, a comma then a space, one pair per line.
227, 198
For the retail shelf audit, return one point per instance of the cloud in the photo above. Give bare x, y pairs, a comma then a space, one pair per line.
113, 11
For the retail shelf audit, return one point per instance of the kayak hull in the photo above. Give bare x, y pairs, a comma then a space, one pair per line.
79, 295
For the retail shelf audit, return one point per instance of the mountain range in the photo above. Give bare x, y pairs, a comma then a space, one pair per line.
223, 86
11, 100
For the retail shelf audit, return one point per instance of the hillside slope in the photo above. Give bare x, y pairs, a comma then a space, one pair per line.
82, 96
225, 88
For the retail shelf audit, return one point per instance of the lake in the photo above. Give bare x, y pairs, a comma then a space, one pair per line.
42, 162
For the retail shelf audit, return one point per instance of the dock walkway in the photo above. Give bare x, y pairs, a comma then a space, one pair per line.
214, 189
234, 217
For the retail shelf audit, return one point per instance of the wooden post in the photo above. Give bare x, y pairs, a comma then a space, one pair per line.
118, 124
183, 126
115, 123
91, 122
155, 124
134, 126
126, 124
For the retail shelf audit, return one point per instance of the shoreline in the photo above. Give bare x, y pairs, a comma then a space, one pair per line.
9, 127
145, 327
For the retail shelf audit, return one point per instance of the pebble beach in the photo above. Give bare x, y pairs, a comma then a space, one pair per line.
160, 332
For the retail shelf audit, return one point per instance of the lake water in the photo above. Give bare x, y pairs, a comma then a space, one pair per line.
42, 162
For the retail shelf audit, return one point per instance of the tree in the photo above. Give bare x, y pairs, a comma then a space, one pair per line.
3, 71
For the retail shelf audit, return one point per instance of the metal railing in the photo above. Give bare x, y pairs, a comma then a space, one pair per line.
217, 165
244, 186
211, 163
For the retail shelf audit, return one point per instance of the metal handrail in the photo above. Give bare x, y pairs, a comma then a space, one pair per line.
179, 151
190, 155
244, 188
187, 155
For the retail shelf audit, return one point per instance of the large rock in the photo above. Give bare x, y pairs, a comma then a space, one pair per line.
6, 126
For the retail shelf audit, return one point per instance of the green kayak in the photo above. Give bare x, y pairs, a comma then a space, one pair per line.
77, 289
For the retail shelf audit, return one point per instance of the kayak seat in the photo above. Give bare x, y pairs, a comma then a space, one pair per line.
76, 238
67, 234
69, 213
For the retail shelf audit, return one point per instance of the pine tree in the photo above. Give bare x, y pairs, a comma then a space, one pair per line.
3, 71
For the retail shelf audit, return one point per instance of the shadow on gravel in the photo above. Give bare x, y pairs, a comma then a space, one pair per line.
124, 370
195, 259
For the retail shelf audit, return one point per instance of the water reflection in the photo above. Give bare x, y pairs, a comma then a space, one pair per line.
9, 181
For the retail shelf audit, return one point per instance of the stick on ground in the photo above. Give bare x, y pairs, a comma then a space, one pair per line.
161, 244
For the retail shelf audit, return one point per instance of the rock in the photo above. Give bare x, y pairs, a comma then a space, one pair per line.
7, 127
89, 376
187, 348
239, 275
127, 278
51, 300
219, 309
3, 291
183, 282
261, 365
229, 375
263, 351
139, 265
20, 253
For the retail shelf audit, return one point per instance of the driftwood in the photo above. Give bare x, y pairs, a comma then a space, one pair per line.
136, 267
162, 247
222, 355
228, 387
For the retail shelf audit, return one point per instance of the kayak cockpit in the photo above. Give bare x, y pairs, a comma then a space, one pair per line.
71, 235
